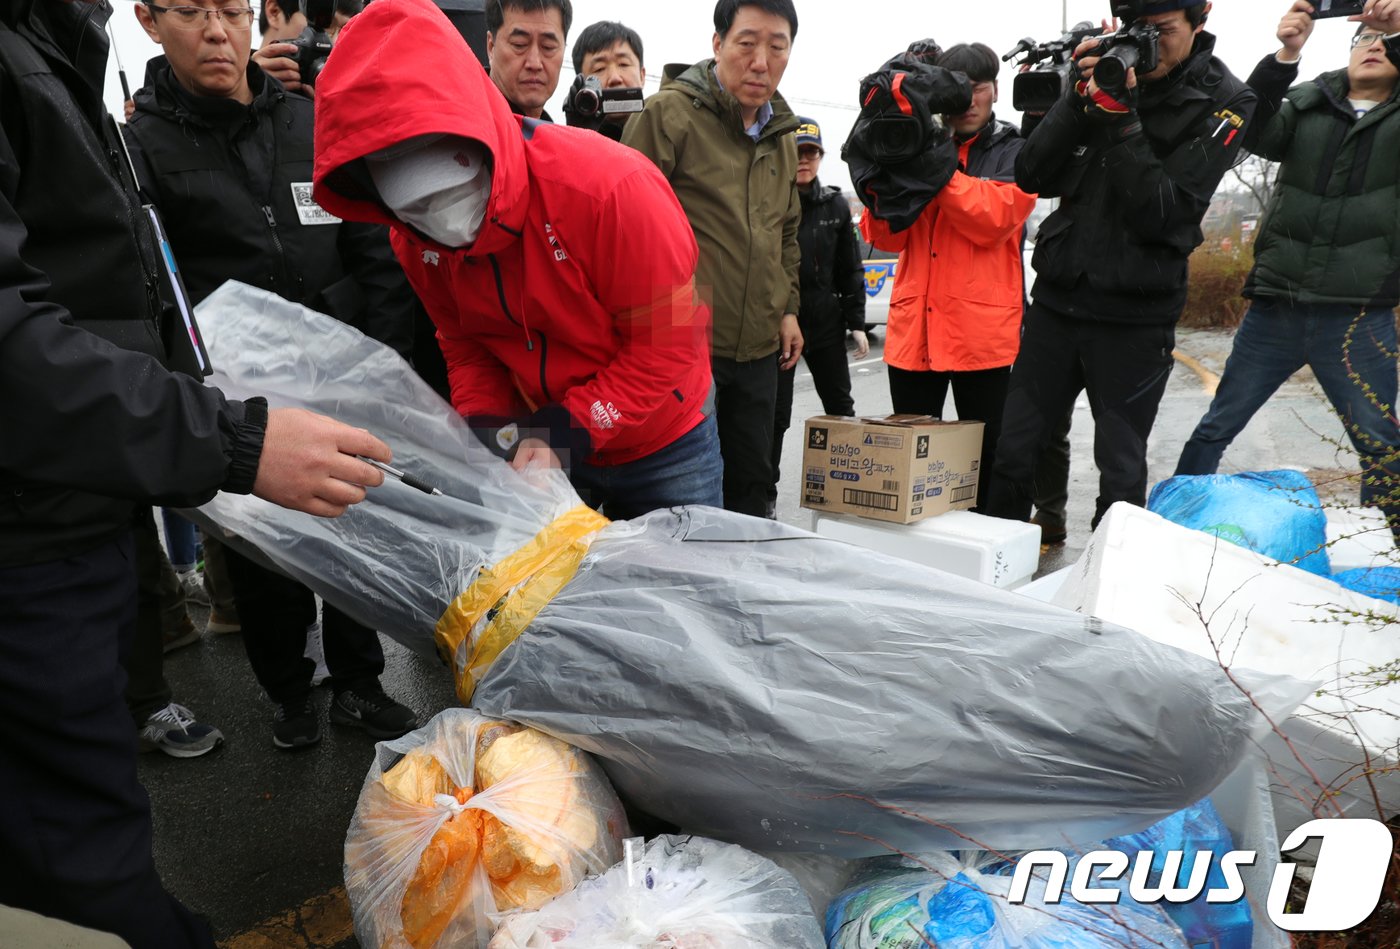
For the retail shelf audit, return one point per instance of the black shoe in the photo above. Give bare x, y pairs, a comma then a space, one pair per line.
373, 711
1052, 532
296, 724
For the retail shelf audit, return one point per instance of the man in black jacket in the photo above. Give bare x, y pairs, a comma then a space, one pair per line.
832, 279
1134, 169
225, 153
1325, 280
94, 424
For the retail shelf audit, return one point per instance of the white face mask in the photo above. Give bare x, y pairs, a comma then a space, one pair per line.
439, 184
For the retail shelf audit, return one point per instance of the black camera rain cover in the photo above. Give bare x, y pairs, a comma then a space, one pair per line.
899, 152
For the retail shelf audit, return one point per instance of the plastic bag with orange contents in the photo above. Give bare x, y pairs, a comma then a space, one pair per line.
467, 819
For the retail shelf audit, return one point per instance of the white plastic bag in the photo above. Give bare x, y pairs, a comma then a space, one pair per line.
468, 818
677, 893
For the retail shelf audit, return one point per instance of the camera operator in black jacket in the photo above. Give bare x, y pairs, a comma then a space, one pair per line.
1135, 169
94, 425
225, 153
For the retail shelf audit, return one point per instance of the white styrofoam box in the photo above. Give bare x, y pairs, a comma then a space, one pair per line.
991, 549
1146, 573
1044, 588
1359, 537
1243, 802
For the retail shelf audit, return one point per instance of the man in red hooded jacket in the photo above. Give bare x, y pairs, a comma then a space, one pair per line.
558, 266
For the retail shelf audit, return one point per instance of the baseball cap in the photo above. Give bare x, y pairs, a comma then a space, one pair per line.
809, 133
1151, 7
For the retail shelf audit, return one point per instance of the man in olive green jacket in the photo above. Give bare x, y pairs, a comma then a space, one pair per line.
720, 134
1326, 274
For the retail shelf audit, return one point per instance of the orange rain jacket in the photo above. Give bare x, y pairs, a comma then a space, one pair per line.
958, 288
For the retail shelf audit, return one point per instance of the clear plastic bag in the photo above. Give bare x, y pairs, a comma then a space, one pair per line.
677, 893
743, 679
959, 901
468, 818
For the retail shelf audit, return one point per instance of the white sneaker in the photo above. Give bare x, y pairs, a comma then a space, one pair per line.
192, 582
316, 651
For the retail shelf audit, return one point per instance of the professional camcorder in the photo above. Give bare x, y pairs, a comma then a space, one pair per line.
590, 101
1135, 46
900, 152
314, 43
1037, 89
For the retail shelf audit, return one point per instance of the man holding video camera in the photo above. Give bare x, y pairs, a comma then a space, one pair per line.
1326, 277
1134, 148
608, 89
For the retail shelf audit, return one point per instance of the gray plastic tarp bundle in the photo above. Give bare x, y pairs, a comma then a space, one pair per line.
744, 679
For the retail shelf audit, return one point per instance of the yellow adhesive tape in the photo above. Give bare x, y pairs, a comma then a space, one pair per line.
531, 576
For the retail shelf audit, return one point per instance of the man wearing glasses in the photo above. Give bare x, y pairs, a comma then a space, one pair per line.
95, 425
224, 152
1326, 275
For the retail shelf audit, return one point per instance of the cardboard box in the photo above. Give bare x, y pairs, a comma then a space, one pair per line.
899, 469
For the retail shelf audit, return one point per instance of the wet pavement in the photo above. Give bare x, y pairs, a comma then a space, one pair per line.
253, 837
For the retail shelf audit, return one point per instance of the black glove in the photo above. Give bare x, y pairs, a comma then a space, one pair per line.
1117, 114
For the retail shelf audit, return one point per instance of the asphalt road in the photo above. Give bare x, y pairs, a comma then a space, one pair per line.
253, 836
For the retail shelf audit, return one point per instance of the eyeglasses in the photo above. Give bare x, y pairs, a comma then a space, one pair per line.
194, 18
1366, 40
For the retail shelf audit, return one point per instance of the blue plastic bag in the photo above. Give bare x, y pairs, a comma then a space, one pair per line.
1275, 513
960, 903
1196, 828
1383, 583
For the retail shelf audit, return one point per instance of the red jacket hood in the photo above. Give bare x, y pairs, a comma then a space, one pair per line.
401, 69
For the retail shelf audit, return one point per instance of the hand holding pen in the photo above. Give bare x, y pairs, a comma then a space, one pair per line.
401, 475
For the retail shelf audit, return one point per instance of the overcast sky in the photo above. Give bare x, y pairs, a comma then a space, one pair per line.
840, 42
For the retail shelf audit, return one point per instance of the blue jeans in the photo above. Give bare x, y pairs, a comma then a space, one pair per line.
1353, 358
687, 471
181, 540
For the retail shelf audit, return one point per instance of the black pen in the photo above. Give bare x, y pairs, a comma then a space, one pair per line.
403, 476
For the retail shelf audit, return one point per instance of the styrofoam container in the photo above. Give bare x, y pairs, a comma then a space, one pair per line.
1244, 803
1159, 578
1044, 588
1359, 537
991, 549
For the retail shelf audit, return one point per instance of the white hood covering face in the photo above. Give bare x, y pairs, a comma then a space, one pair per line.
438, 184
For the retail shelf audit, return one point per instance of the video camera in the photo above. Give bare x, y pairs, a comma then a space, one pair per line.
591, 103
1037, 89
314, 43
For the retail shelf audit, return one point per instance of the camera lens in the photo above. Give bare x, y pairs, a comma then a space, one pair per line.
1111, 73
895, 139
587, 102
